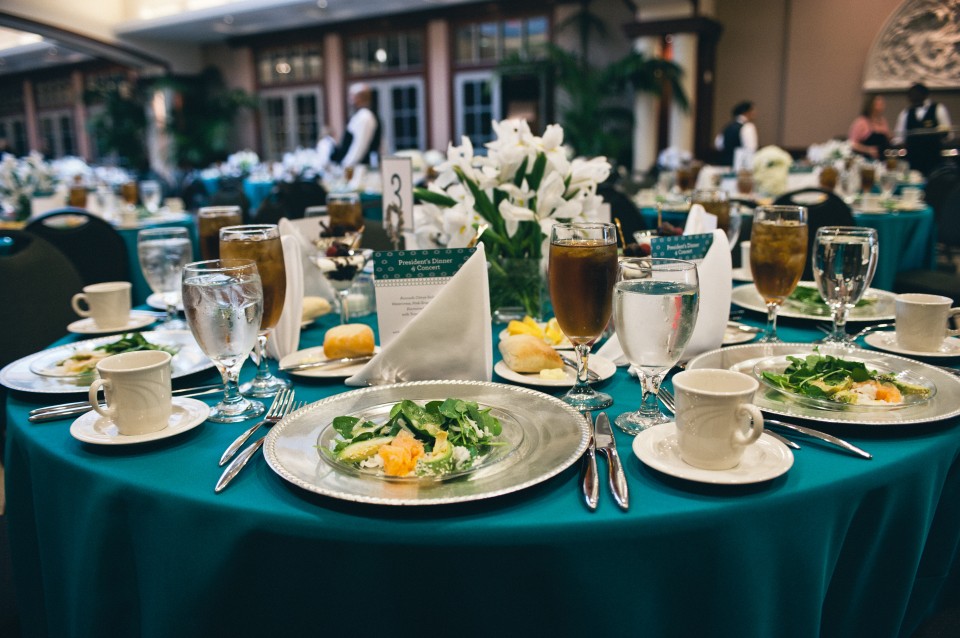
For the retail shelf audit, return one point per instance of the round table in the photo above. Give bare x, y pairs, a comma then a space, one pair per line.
132, 540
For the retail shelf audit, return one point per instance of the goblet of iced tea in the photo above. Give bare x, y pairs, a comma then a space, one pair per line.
868, 176
345, 210
130, 193
582, 271
210, 219
261, 243
778, 252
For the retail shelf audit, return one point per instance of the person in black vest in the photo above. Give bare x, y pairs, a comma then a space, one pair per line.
361, 140
921, 128
740, 133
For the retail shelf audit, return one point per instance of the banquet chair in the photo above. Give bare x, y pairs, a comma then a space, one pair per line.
939, 282
96, 248
823, 209
622, 208
290, 200
941, 183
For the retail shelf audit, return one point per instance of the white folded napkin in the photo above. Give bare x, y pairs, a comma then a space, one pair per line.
305, 230
285, 337
449, 339
699, 221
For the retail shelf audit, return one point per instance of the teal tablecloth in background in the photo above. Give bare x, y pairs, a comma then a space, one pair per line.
141, 289
133, 541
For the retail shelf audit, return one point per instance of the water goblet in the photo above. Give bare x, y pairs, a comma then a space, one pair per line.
582, 269
778, 252
261, 243
655, 306
844, 261
163, 252
223, 300
888, 183
151, 195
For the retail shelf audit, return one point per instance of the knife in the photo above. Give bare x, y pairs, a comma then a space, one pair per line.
237, 464
53, 413
591, 375
606, 445
823, 436
588, 472
310, 365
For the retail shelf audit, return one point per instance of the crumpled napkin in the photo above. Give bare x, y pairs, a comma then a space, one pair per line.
285, 337
450, 338
304, 230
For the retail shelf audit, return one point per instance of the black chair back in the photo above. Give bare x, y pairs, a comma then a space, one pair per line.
96, 248
824, 209
230, 193
290, 200
37, 282
623, 209
948, 219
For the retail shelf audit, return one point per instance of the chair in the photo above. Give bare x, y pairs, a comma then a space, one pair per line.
96, 248
941, 183
230, 193
823, 209
622, 208
290, 200
37, 281
937, 282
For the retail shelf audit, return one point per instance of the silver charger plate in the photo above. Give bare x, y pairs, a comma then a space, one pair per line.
20, 374
554, 437
882, 308
944, 405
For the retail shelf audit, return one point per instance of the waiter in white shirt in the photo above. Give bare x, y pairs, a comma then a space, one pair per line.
921, 128
361, 140
741, 133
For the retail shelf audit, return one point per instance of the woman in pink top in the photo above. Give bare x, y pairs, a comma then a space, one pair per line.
870, 134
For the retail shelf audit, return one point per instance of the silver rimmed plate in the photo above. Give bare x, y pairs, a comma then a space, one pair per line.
554, 436
880, 306
22, 374
944, 405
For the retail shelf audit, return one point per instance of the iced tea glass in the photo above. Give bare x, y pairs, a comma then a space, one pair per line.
210, 219
261, 243
582, 271
778, 253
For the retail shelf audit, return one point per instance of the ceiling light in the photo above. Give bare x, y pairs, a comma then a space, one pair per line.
322, 4
381, 56
282, 68
228, 19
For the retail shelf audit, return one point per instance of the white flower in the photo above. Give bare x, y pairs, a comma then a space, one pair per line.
771, 167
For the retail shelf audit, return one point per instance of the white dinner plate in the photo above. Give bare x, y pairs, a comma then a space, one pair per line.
605, 368
316, 354
93, 427
944, 405
908, 207
554, 437
880, 308
764, 460
887, 340
138, 319
21, 375
156, 301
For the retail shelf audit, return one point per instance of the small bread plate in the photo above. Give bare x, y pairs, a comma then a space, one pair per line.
93, 427
156, 301
38, 372
548, 437
563, 345
943, 405
887, 340
876, 305
316, 354
605, 368
734, 334
764, 460
138, 319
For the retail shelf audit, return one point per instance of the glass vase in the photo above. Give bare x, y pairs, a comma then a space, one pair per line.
517, 288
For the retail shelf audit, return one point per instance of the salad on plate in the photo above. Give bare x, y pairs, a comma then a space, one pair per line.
83, 362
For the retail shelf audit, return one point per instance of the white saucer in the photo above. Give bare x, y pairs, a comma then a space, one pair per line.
89, 327
603, 367
156, 301
742, 274
93, 427
766, 459
316, 354
887, 340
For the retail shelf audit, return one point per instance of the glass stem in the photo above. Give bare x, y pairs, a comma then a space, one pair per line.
231, 389
263, 372
583, 357
171, 312
840, 323
650, 384
772, 309
344, 310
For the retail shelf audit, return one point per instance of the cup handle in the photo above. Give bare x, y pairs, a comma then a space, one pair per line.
744, 438
75, 302
95, 400
950, 315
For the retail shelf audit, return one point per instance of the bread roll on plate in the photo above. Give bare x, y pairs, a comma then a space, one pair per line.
314, 307
526, 353
348, 340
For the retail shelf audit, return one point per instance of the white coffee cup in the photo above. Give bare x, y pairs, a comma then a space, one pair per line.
108, 303
715, 419
137, 390
745, 256
922, 321
870, 202
911, 195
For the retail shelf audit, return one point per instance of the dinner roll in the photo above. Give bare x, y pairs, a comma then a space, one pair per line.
348, 340
527, 353
314, 307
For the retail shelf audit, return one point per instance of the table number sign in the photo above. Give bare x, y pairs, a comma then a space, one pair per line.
397, 179
407, 280
711, 253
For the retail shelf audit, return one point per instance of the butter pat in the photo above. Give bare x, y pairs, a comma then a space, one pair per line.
553, 374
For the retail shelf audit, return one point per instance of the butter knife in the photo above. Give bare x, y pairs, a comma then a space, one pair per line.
606, 445
326, 363
84, 407
572, 363
823, 436
588, 472
237, 464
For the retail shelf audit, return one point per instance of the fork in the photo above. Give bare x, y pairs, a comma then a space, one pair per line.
278, 409
827, 328
238, 463
666, 398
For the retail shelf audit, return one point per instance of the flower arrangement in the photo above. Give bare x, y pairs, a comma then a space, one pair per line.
771, 166
242, 163
829, 152
21, 179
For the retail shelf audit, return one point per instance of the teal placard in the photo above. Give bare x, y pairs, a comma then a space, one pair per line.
419, 264
690, 247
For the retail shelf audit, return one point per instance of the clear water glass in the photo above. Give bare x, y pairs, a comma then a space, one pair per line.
655, 307
163, 252
888, 184
224, 307
151, 195
844, 262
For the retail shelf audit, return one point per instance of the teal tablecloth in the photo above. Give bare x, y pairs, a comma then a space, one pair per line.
141, 289
133, 541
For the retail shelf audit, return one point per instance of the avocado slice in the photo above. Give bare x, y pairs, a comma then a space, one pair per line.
362, 449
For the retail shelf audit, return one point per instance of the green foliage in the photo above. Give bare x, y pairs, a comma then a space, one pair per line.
121, 127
